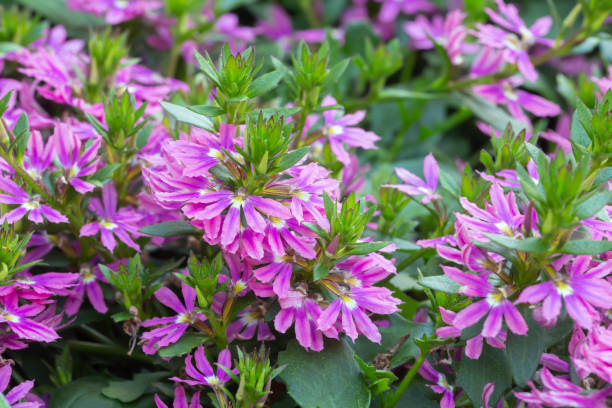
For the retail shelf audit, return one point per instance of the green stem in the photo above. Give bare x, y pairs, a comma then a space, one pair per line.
395, 397
96, 348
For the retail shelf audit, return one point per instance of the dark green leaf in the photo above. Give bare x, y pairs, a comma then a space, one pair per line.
593, 204
536, 245
104, 175
131, 390
183, 114
87, 392
142, 137
492, 366
56, 11
364, 248
170, 229
207, 110
265, 83
524, 352
320, 271
327, 379
586, 246
441, 283
293, 157
185, 344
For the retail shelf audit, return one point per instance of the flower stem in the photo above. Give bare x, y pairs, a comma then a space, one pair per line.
406, 381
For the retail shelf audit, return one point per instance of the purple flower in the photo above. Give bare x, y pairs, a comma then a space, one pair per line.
473, 346
44, 284
592, 354
38, 156
30, 205
501, 217
415, 186
75, 165
340, 130
391, 8
115, 11
111, 221
582, 289
558, 392
17, 319
88, 282
495, 304
180, 399
515, 48
203, 373
441, 385
173, 326
18, 393
448, 32
249, 322
297, 308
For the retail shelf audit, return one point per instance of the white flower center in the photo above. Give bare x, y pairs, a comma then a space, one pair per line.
108, 224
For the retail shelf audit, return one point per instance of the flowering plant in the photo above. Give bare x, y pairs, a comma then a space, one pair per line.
315, 203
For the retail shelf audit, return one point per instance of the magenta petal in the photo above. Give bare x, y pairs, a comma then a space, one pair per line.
231, 225
329, 316
96, 298
471, 314
284, 319
493, 323
514, 320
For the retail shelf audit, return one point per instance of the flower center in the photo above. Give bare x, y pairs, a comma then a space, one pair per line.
216, 154
302, 195
505, 228
334, 130
108, 224
87, 275
277, 222
495, 298
9, 317
563, 288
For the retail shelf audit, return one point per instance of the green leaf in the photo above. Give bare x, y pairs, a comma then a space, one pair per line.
56, 11
593, 204
87, 392
97, 125
142, 137
524, 352
185, 344
586, 247
327, 379
170, 229
492, 366
441, 283
394, 94
578, 134
364, 248
398, 327
320, 271
3, 402
121, 317
490, 113
183, 114
535, 245
207, 110
104, 175
265, 83
291, 158
129, 391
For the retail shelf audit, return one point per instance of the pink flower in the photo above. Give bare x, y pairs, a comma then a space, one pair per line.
112, 222
180, 399
495, 304
391, 8
516, 100
173, 326
605, 83
18, 393
88, 282
515, 48
75, 164
297, 308
250, 322
17, 318
582, 289
27, 205
415, 186
448, 32
340, 130
204, 374
558, 392
441, 385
